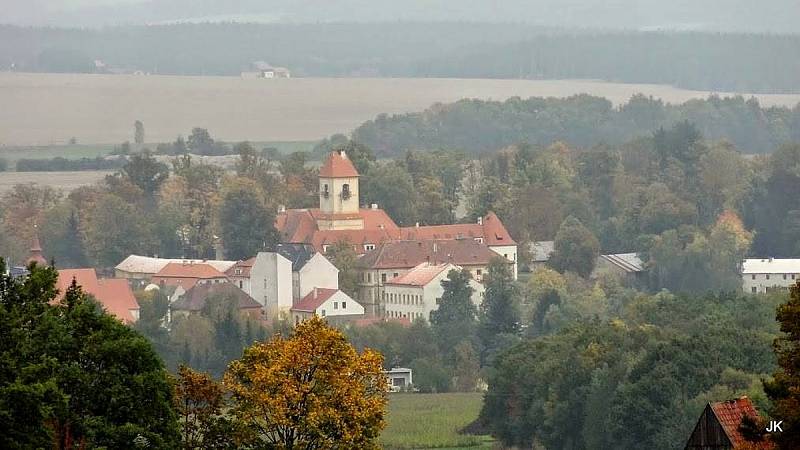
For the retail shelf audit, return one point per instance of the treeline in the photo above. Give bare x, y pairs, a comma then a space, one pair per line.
59, 164
476, 126
706, 61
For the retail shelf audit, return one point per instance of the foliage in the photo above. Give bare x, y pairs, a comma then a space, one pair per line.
248, 223
138, 132
784, 388
75, 376
455, 319
343, 256
499, 315
575, 248
322, 393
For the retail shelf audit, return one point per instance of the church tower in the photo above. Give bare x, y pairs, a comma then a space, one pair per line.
338, 194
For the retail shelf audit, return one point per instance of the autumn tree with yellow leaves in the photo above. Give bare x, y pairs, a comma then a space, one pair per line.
310, 391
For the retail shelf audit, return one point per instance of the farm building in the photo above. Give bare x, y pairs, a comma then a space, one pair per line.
718, 427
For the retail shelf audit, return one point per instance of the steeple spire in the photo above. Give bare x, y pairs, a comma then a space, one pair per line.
36, 250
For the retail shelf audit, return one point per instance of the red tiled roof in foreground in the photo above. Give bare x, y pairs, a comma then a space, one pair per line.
314, 299
338, 165
114, 294
730, 413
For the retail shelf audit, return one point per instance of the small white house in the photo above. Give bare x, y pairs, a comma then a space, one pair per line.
416, 293
327, 303
399, 378
760, 275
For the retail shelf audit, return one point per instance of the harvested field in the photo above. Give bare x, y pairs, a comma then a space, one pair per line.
65, 181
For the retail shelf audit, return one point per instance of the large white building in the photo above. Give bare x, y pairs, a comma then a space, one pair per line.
416, 293
761, 275
278, 280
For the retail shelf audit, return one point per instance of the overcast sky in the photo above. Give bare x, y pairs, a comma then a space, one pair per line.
782, 16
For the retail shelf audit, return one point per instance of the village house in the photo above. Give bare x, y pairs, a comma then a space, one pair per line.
143, 268
393, 259
330, 304
416, 293
113, 294
540, 253
626, 267
341, 218
718, 427
187, 274
399, 379
279, 279
195, 299
760, 275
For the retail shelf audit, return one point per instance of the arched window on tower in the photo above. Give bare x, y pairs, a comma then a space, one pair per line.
345, 191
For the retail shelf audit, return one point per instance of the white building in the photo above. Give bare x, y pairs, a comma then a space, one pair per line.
399, 378
328, 304
761, 275
144, 267
280, 279
416, 293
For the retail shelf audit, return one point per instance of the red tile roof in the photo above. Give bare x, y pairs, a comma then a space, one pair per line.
420, 275
730, 414
36, 252
300, 226
406, 254
198, 271
491, 229
368, 321
244, 266
114, 294
338, 165
314, 300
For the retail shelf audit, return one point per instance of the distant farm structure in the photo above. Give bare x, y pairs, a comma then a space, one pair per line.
261, 69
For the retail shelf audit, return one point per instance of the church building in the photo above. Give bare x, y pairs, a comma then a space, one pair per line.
341, 217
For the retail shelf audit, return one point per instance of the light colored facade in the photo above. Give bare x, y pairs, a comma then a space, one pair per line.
508, 252
144, 267
271, 283
317, 272
338, 196
760, 275
416, 294
328, 304
399, 379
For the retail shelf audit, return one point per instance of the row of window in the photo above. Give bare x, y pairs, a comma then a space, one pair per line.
402, 299
785, 276
399, 315
336, 305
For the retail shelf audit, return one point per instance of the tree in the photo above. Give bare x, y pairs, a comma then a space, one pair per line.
784, 388
138, 132
145, 172
455, 319
61, 236
499, 312
115, 229
74, 376
320, 392
344, 257
247, 224
575, 248
391, 187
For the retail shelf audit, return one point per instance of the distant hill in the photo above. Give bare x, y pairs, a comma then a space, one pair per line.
694, 60
778, 16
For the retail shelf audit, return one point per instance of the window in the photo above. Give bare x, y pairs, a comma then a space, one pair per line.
480, 240
395, 274
344, 305
238, 271
325, 248
383, 278
479, 272
369, 277
335, 305
345, 191
784, 276
322, 313
768, 276
793, 276
753, 276
754, 289
325, 192
368, 247
240, 284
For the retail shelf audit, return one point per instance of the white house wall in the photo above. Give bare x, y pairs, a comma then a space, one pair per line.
271, 282
318, 272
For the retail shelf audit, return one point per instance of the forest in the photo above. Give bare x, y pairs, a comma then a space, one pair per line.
582, 121
767, 63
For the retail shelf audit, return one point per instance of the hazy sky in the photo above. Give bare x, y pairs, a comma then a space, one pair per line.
729, 15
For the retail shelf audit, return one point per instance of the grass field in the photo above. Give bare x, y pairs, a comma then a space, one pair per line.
46, 109
419, 421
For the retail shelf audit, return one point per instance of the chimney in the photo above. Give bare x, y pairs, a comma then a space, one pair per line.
281, 209
343, 154
373, 206
416, 225
480, 220
315, 293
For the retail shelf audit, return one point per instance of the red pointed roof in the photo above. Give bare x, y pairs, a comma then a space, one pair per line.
730, 414
338, 165
36, 252
114, 294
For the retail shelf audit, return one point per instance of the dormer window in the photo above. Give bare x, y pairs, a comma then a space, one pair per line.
368, 247
345, 191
